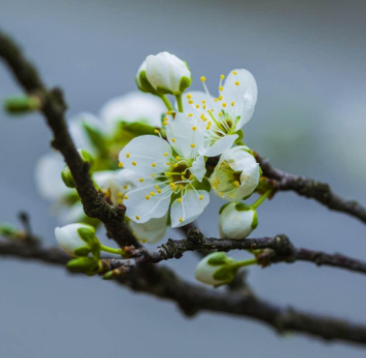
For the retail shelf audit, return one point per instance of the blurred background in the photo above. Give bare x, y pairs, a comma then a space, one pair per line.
308, 58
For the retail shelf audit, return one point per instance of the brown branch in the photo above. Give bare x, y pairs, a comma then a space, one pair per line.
312, 189
191, 298
53, 109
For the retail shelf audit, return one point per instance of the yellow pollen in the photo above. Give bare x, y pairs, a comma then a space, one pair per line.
134, 163
194, 128
235, 73
120, 195
165, 123
201, 197
236, 183
125, 197
177, 157
237, 83
173, 140
153, 175
204, 106
167, 163
120, 165
191, 176
156, 186
208, 127
193, 145
197, 106
224, 104
119, 201
203, 79
169, 113
190, 101
147, 197
144, 241
233, 103
221, 88
179, 200
190, 115
203, 101
165, 119
153, 165
156, 130
127, 155
189, 96
180, 220
220, 114
166, 153
125, 186
175, 165
209, 123
158, 190
182, 178
152, 193
137, 217
221, 193
141, 180
222, 77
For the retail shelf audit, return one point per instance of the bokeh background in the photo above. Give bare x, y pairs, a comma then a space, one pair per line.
309, 61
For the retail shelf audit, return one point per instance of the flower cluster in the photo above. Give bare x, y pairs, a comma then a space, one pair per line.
161, 158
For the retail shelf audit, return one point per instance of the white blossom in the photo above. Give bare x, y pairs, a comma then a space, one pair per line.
166, 73
167, 172
221, 118
215, 269
236, 175
132, 107
70, 237
237, 221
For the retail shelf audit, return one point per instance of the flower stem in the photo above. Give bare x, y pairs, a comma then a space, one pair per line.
260, 200
166, 102
246, 263
179, 102
111, 250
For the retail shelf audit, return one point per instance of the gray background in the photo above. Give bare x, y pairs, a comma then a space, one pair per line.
309, 61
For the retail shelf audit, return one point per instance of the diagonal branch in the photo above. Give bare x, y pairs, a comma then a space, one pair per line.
312, 189
161, 282
53, 109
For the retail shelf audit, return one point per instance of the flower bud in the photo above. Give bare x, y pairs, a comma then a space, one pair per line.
216, 269
67, 178
236, 175
165, 73
76, 239
237, 221
86, 156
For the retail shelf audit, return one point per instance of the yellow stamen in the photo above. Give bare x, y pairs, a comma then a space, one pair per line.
153, 165
222, 77
189, 96
141, 180
179, 200
165, 123
134, 163
120, 165
201, 197
156, 130
190, 101
233, 103
180, 220
224, 104
194, 128
152, 193
197, 106
137, 217
127, 155
125, 197
190, 115
237, 83
159, 191
153, 175
125, 186
169, 113
147, 197
203, 79
144, 241
177, 157
235, 73
156, 186
193, 145
236, 183
173, 140
167, 163
221, 88
166, 153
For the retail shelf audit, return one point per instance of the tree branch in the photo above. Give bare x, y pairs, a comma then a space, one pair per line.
312, 189
163, 283
53, 109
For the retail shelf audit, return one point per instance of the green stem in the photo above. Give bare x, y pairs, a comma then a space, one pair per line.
246, 263
260, 200
111, 250
166, 102
179, 102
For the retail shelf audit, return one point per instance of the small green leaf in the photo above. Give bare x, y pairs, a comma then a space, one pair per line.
22, 105
242, 207
224, 274
82, 251
82, 264
67, 178
87, 234
217, 258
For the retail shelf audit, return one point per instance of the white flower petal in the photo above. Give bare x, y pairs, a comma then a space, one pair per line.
219, 146
244, 95
198, 168
132, 107
145, 155
48, 177
141, 210
152, 231
184, 137
190, 208
72, 213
